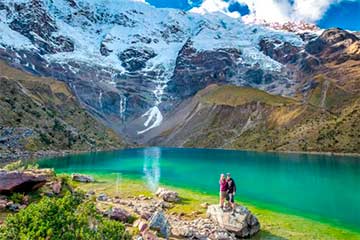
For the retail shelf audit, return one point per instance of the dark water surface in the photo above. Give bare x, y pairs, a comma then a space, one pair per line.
318, 186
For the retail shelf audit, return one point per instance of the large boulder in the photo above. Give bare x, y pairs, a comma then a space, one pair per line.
241, 222
160, 223
167, 195
198, 228
23, 181
118, 214
82, 178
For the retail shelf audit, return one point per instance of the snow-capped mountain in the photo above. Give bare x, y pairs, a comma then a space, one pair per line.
129, 63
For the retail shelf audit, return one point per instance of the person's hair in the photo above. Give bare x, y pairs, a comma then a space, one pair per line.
222, 176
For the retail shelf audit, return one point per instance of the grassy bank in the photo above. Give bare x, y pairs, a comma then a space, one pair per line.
274, 225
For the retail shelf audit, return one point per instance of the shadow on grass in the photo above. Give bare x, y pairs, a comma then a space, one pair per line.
266, 235
184, 201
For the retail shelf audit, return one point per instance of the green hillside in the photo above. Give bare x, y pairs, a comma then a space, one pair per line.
42, 114
245, 118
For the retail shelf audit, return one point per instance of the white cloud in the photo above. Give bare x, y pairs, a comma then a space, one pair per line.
211, 6
311, 10
273, 10
270, 10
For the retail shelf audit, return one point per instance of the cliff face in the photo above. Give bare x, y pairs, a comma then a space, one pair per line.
42, 114
244, 118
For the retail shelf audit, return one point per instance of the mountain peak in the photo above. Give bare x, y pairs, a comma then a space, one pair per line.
290, 26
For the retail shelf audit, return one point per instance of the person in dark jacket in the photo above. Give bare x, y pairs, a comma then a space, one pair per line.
231, 190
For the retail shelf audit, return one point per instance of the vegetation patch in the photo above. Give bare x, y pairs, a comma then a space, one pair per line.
67, 217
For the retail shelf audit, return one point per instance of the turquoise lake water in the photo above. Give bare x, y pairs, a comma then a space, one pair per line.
322, 187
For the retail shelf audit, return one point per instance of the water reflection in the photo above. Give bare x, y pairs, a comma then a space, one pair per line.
117, 183
151, 167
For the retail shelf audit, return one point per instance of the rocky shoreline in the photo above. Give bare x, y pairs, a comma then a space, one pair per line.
148, 215
153, 218
7, 157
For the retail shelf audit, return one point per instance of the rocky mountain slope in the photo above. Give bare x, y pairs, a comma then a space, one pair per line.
41, 114
133, 65
247, 118
126, 60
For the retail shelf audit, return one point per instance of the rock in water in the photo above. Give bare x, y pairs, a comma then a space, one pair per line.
241, 222
82, 178
23, 181
159, 222
167, 195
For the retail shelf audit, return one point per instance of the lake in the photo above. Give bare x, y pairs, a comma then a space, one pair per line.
321, 187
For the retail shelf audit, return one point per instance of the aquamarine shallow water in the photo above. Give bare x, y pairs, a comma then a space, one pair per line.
319, 186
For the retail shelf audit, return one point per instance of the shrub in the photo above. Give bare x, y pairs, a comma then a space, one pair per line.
64, 218
17, 197
18, 165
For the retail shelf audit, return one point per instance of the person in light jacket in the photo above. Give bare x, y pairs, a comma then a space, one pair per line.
223, 189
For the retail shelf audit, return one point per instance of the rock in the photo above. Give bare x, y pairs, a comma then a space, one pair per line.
102, 197
204, 205
145, 215
14, 207
148, 235
163, 205
142, 226
221, 235
167, 195
3, 204
195, 213
91, 192
183, 231
82, 178
23, 181
160, 223
118, 214
242, 222
199, 228
49, 194
56, 187
26, 200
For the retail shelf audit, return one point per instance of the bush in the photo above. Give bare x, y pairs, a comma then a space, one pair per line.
17, 198
64, 218
18, 165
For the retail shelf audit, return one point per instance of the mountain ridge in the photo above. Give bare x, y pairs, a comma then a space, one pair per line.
132, 65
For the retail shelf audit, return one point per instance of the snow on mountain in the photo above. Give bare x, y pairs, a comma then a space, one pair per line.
127, 51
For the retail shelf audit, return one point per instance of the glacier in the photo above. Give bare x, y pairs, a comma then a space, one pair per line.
102, 30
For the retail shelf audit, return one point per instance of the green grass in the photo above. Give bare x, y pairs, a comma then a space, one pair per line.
49, 109
235, 96
274, 225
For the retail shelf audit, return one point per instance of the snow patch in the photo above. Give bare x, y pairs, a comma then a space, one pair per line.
154, 116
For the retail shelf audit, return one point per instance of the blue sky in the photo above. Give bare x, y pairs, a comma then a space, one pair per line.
325, 13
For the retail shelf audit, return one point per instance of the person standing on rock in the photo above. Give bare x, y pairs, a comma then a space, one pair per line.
223, 189
231, 190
